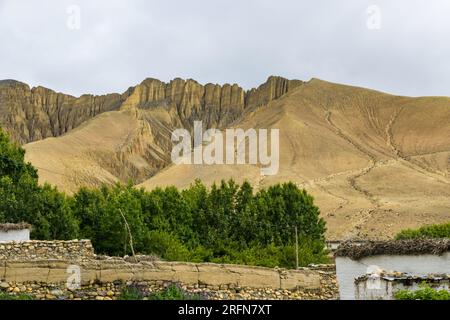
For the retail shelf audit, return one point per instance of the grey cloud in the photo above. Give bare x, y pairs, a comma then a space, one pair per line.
122, 42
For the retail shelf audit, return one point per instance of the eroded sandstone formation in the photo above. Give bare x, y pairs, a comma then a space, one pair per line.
31, 114
217, 106
131, 143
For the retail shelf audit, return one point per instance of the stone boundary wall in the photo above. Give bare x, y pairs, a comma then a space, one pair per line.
208, 275
105, 279
51, 263
40, 250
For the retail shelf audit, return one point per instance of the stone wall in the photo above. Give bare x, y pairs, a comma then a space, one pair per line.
116, 269
113, 291
41, 268
105, 279
44, 250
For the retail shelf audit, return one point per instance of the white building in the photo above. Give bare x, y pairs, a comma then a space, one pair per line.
422, 258
14, 232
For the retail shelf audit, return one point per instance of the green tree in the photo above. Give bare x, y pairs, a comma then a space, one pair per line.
23, 200
105, 215
54, 218
12, 162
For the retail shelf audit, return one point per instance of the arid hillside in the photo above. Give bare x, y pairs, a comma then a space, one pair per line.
131, 141
375, 163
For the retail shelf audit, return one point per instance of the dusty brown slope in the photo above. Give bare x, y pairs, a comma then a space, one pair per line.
107, 149
375, 163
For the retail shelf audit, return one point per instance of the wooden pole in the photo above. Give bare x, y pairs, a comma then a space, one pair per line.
127, 228
296, 248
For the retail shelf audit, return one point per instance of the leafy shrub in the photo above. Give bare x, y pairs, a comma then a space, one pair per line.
432, 231
277, 256
424, 293
167, 246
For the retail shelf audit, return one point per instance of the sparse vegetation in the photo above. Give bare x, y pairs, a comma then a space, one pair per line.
432, 231
131, 292
175, 292
7, 296
225, 223
171, 292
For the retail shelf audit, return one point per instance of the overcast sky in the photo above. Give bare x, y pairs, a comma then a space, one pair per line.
397, 46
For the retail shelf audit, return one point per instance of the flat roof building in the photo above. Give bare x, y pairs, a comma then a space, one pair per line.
14, 232
355, 263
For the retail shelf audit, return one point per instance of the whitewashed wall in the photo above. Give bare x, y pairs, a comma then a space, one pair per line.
347, 270
385, 290
15, 235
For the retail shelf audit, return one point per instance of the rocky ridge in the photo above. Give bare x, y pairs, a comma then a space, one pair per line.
32, 114
144, 116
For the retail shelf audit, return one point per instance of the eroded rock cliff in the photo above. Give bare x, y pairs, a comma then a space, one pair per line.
187, 100
123, 136
31, 114
37, 113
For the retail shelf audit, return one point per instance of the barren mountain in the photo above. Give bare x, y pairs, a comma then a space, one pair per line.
375, 163
134, 141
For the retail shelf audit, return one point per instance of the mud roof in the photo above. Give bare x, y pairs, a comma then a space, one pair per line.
359, 250
5, 227
405, 277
